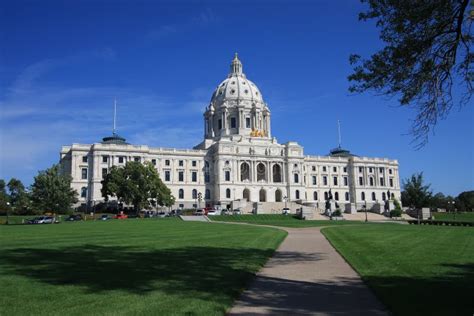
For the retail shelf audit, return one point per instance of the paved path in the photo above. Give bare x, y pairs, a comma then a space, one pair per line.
306, 276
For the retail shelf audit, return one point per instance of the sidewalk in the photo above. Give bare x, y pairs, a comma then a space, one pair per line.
306, 276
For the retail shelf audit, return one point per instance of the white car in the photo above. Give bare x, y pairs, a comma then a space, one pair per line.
285, 211
212, 212
45, 220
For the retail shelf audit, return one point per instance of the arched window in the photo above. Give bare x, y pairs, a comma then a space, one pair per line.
83, 192
297, 194
278, 195
244, 172
362, 196
263, 195
227, 193
347, 196
315, 195
276, 173
246, 194
195, 194
261, 172
371, 181
208, 194
297, 178
336, 196
383, 196
373, 196
181, 194
325, 196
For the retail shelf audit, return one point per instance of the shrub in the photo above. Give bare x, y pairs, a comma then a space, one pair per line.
337, 212
396, 213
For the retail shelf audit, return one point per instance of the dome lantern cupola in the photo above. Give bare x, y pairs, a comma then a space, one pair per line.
236, 67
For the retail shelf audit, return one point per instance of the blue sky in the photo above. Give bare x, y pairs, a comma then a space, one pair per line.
62, 63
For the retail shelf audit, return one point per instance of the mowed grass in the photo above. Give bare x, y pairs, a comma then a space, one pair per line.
123, 267
277, 220
414, 270
462, 217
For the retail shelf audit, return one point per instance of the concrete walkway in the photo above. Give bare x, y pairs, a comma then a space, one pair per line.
306, 276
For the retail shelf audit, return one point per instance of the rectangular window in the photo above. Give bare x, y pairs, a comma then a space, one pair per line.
335, 180
324, 169
137, 159
104, 173
105, 158
181, 163
247, 122
314, 180
194, 176
207, 178
167, 162
167, 176
346, 181
194, 163
381, 169
334, 169
361, 181
390, 171
84, 158
361, 169
391, 182
227, 176
121, 159
153, 162
381, 182
314, 168
233, 122
219, 124
345, 169
325, 180
181, 176
84, 173
370, 169
181, 206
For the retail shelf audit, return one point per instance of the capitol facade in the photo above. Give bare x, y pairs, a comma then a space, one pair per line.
239, 164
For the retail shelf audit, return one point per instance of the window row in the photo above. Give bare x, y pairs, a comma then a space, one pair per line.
195, 194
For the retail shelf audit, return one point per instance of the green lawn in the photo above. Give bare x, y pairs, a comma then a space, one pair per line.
123, 267
414, 270
277, 220
462, 217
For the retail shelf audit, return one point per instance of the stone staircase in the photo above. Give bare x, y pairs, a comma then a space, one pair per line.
194, 218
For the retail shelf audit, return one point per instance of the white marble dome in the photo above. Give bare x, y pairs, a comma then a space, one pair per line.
236, 87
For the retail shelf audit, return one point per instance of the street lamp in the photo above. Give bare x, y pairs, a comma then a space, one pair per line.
452, 203
286, 201
8, 211
365, 209
199, 196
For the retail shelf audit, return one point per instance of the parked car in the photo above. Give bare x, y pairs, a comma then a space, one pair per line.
236, 212
104, 217
133, 216
285, 211
32, 220
74, 217
45, 220
161, 214
199, 212
121, 216
213, 212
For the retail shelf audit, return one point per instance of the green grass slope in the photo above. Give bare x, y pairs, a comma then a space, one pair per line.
123, 267
427, 270
276, 220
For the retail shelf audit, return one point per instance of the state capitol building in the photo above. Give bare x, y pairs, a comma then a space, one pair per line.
239, 164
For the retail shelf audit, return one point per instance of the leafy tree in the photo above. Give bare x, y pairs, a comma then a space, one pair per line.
465, 201
4, 198
428, 49
136, 184
19, 198
51, 191
439, 200
415, 193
